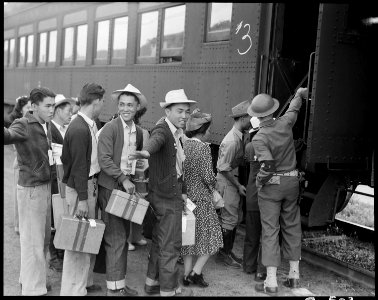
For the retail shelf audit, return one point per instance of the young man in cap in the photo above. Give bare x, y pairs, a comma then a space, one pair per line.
79, 158
252, 246
117, 139
58, 127
278, 187
34, 155
167, 191
231, 156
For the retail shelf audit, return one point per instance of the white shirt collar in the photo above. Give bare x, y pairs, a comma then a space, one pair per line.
133, 128
238, 133
88, 120
177, 132
60, 127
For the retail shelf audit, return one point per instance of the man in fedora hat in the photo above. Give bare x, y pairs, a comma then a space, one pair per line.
117, 139
252, 246
231, 153
167, 191
58, 126
278, 187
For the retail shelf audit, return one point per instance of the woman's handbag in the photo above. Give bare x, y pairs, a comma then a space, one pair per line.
217, 200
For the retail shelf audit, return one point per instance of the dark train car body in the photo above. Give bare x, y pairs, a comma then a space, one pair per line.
272, 48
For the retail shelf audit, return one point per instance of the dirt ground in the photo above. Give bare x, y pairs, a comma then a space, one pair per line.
223, 281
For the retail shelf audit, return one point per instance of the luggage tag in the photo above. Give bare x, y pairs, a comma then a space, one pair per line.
51, 159
190, 205
274, 180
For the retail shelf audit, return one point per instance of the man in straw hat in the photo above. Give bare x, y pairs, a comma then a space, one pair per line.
117, 139
278, 187
231, 153
58, 126
167, 191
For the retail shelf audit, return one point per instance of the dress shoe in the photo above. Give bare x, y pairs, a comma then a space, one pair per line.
248, 270
260, 287
93, 288
185, 281
152, 289
238, 259
292, 283
124, 292
260, 277
197, 279
180, 260
227, 260
131, 247
183, 293
142, 242
56, 264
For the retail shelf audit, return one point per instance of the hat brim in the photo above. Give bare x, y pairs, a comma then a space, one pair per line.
142, 99
265, 113
165, 104
238, 115
60, 102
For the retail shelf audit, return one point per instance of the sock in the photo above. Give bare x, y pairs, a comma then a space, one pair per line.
294, 269
271, 277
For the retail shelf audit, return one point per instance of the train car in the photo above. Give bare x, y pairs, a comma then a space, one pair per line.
220, 54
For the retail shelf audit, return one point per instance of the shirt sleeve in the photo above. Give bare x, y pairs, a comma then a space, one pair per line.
292, 112
156, 140
249, 154
264, 156
227, 153
17, 132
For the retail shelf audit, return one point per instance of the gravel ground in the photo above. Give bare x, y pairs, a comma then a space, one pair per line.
223, 281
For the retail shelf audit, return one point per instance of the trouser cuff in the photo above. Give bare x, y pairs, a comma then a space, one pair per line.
115, 285
170, 293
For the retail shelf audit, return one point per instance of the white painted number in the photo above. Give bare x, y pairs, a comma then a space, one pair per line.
244, 36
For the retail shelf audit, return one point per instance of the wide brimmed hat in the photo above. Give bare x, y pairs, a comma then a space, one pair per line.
60, 99
263, 105
197, 119
175, 97
255, 122
132, 89
240, 109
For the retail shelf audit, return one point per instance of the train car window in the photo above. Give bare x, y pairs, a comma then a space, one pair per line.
68, 44
81, 44
29, 52
6, 49
148, 37
102, 41
21, 51
173, 34
119, 39
42, 48
218, 22
52, 46
11, 53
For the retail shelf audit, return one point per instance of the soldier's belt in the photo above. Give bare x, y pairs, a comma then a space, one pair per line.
293, 173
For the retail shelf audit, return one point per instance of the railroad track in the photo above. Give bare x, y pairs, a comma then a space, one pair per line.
361, 232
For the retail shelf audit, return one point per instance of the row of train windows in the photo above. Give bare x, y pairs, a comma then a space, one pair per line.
112, 34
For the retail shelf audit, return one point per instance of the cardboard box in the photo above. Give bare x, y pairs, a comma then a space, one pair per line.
79, 235
61, 185
188, 228
127, 206
60, 207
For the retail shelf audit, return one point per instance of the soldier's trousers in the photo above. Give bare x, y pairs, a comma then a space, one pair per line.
279, 210
163, 268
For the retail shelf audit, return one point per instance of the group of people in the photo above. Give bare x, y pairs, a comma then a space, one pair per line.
96, 162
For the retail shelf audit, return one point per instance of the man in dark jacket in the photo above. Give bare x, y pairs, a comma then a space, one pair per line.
58, 127
34, 155
117, 139
79, 158
167, 191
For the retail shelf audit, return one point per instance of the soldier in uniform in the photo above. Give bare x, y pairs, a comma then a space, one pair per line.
231, 156
278, 187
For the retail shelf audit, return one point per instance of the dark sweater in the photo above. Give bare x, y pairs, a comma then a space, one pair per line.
162, 163
76, 156
32, 145
110, 145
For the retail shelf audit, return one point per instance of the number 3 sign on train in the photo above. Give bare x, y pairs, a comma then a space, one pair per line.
244, 36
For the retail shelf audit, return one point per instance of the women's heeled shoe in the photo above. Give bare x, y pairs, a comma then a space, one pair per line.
197, 279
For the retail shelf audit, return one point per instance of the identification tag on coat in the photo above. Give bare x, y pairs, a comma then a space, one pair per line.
51, 159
